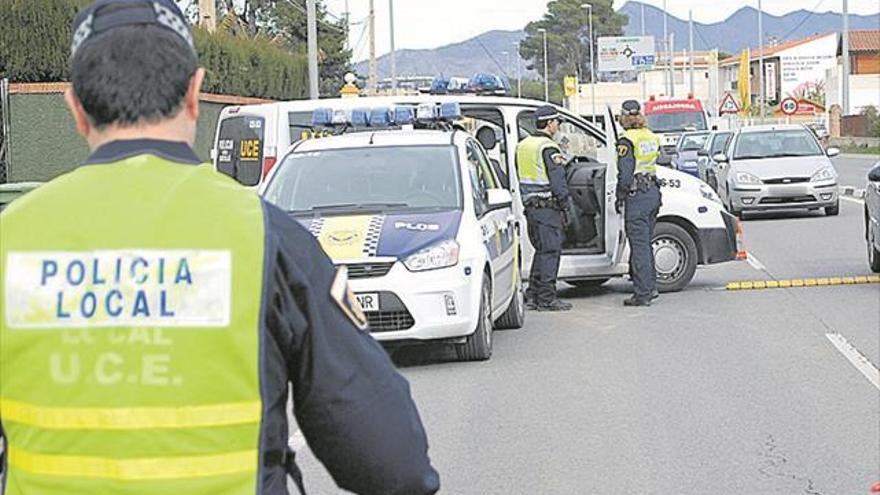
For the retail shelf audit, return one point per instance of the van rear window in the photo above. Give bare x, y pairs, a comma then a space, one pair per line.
240, 148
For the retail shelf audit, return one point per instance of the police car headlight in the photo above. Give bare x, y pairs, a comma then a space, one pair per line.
824, 173
747, 178
709, 194
440, 255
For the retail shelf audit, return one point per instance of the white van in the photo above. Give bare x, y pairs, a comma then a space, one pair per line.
692, 228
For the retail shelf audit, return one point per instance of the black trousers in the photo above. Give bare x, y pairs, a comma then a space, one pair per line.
640, 218
545, 233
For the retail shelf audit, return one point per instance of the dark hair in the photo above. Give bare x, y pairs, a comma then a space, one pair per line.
132, 74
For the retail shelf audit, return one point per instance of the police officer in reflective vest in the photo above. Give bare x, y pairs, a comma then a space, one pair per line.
638, 190
153, 312
544, 191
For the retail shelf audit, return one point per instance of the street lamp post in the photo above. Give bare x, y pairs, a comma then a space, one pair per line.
393, 52
312, 30
589, 8
518, 70
546, 81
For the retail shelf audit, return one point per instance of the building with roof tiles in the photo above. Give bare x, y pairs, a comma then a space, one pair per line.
864, 78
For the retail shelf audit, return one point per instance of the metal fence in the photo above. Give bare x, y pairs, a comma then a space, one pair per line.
5, 119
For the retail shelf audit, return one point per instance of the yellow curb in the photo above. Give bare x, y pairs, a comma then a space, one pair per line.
797, 283
805, 282
861, 280
759, 284
822, 281
785, 284
772, 284
746, 285
848, 280
836, 281
874, 279
733, 286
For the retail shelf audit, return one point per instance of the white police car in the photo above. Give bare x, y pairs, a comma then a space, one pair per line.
419, 220
692, 228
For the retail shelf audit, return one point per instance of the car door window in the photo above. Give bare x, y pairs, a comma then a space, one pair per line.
481, 177
719, 143
572, 139
240, 148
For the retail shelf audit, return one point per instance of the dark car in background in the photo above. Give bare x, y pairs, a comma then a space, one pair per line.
706, 165
487, 84
685, 158
15, 190
872, 217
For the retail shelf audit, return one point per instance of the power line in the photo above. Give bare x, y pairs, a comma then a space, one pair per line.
489, 54
810, 14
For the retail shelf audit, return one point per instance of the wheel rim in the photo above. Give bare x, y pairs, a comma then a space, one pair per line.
670, 258
487, 318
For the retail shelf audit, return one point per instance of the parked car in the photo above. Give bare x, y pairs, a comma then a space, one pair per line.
706, 166
776, 167
15, 190
685, 158
872, 217
487, 84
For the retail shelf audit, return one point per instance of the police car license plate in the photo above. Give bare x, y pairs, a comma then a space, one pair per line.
369, 302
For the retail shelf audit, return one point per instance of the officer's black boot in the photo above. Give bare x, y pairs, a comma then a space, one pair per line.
638, 301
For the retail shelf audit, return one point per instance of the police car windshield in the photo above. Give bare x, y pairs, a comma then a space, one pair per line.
776, 144
676, 122
416, 177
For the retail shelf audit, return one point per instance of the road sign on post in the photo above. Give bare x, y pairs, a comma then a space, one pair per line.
626, 53
728, 105
570, 84
788, 106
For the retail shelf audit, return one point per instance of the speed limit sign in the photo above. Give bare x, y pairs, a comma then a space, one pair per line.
789, 106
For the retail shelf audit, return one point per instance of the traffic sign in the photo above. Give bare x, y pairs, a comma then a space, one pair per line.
728, 105
789, 106
626, 53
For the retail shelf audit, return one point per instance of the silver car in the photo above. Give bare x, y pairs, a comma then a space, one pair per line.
777, 167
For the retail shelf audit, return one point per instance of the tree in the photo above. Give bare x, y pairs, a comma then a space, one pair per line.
283, 22
567, 25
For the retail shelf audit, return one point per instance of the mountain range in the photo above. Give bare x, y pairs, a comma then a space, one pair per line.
484, 53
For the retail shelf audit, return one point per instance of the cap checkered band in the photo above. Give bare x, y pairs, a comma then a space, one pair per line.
172, 21
82, 33
552, 116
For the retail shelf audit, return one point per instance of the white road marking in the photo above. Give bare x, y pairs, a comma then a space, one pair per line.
297, 441
861, 363
854, 200
755, 263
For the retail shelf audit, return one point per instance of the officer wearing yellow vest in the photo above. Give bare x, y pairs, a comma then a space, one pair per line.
154, 312
639, 192
544, 191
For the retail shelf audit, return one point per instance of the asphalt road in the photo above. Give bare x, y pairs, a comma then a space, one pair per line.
853, 169
707, 392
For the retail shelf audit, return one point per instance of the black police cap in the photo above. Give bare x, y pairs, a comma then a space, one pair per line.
104, 15
546, 112
631, 107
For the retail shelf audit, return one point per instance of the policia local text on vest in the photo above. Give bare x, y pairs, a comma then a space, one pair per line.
153, 313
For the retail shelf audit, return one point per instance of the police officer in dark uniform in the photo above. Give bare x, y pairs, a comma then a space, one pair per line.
638, 193
540, 164
253, 307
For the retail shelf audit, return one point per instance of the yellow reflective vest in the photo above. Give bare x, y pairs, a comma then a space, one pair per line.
533, 177
129, 342
646, 148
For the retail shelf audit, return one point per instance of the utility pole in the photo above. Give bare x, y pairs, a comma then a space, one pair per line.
761, 61
518, 70
642, 72
691, 49
589, 8
666, 47
546, 80
393, 53
208, 15
844, 95
312, 19
373, 76
347, 27
671, 46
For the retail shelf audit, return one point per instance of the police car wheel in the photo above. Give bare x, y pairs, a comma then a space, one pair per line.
478, 346
873, 253
515, 315
675, 257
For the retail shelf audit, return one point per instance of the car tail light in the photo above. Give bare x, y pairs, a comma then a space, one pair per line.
741, 252
268, 163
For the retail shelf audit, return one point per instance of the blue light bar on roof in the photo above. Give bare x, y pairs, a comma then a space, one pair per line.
426, 111
380, 117
404, 115
450, 111
340, 117
360, 117
322, 116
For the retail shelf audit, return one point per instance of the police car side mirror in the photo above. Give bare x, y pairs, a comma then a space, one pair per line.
874, 173
720, 158
498, 198
832, 151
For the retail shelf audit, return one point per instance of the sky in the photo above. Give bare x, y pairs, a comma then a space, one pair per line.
433, 23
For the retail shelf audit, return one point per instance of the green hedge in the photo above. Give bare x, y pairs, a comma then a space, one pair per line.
35, 42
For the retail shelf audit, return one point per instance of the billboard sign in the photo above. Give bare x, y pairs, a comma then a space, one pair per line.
626, 53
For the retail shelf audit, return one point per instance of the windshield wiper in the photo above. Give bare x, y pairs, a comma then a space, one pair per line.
351, 206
